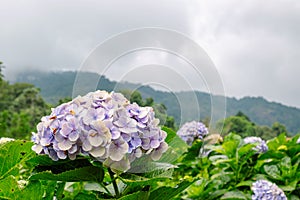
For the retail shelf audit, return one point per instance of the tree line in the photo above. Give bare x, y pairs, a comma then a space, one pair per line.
22, 106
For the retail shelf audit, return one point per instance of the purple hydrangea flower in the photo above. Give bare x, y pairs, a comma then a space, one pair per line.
102, 125
261, 147
266, 190
191, 131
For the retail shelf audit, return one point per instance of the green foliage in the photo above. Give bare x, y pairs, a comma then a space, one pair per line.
89, 173
223, 170
229, 170
21, 108
242, 125
13, 156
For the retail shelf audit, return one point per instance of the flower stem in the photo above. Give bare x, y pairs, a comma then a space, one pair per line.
113, 179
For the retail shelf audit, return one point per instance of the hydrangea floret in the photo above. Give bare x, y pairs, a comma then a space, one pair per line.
105, 126
191, 131
266, 190
261, 146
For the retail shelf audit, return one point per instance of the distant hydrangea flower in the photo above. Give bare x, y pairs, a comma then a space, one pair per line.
191, 131
266, 190
298, 141
102, 125
261, 147
5, 139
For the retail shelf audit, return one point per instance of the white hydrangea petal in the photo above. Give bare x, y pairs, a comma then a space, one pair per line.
65, 145
97, 151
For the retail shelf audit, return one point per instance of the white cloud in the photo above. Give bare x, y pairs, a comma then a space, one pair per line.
254, 44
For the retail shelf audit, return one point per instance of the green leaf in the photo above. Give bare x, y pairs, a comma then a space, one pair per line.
230, 148
233, 137
135, 180
286, 163
49, 187
44, 163
169, 192
260, 163
177, 147
246, 149
273, 171
244, 183
85, 196
9, 188
275, 143
234, 195
89, 173
170, 134
12, 155
32, 191
217, 194
290, 187
193, 151
143, 194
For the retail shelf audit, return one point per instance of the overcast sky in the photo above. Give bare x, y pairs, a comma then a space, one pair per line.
255, 45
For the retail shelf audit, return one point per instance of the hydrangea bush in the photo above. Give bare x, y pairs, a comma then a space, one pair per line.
266, 190
105, 126
261, 146
191, 131
81, 143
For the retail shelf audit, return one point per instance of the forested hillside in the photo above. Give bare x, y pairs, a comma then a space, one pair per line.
57, 85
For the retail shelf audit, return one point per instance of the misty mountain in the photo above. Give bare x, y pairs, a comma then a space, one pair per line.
184, 106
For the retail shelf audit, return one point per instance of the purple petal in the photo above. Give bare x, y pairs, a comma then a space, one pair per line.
73, 136
65, 145
154, 143
97, 152
61, 155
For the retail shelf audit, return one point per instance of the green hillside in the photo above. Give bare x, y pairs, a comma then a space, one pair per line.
57, 85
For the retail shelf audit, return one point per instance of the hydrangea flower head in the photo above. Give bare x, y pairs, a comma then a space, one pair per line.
102, 125
266, 190
261, 147
191, 131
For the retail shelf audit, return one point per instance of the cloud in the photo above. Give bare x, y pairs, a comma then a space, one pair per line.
254, 44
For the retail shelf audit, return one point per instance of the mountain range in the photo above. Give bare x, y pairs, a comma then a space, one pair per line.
183, 106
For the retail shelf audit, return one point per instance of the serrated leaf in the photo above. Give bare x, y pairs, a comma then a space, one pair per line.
90, 173
45, 160
169, 192
44, 163
12, 155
